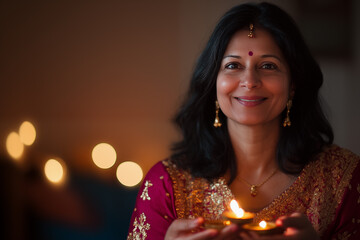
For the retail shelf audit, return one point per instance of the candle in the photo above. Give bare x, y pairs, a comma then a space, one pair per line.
263, 228
237, 215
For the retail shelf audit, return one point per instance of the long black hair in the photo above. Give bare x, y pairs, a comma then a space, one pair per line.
206, 151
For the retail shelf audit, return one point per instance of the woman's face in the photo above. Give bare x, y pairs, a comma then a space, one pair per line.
254, 80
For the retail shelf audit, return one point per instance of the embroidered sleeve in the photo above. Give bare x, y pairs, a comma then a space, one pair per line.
154, 209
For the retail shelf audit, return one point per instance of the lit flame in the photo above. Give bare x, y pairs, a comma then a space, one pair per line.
262, 224
239, 212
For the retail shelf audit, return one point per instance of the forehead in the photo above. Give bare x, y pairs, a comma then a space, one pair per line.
262, 43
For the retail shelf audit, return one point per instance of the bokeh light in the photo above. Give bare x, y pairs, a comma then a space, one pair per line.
129, 173
14, 145
27, 133
104, 155
54, 171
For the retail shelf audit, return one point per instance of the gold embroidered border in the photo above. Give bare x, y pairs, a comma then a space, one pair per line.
178, 185
195, 197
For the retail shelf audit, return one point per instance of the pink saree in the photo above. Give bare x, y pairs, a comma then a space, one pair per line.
327, 191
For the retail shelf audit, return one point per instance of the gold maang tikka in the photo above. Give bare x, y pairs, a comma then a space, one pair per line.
251, 33
217, 122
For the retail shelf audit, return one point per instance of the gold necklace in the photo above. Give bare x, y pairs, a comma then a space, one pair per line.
254, 188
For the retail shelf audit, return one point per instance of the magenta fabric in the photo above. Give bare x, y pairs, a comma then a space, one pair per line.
346, 224
154, 210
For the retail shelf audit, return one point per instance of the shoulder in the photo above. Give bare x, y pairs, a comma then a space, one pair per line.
336, 161
335, 151
335, 167
333, 171
159, 177
157, 170
167, 171
339, 164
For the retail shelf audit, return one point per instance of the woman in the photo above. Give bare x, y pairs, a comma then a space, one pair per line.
270, 146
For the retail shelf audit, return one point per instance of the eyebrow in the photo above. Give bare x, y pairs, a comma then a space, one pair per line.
262, 56
232, 56
271, 55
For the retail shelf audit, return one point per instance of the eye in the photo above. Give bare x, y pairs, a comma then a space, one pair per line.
269, 66
232, 65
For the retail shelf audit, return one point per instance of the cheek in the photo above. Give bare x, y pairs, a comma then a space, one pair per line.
225, 86
279, 87
282, 98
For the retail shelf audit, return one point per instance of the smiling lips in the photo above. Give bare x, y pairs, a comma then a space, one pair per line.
250, 101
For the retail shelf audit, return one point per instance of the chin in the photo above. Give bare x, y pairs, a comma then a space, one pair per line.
248, 122
255, 121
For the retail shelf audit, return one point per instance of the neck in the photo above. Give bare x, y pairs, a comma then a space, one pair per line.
255, 148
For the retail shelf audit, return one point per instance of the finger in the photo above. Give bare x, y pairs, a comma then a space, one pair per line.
185, 225
295, 214
229, 232
247, 236
295, 220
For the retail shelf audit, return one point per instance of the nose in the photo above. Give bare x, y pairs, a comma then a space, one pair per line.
250, 79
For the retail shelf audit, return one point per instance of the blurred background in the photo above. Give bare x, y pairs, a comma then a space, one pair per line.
88, 90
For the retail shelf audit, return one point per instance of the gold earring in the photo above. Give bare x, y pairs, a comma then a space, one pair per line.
287, 122
217, 122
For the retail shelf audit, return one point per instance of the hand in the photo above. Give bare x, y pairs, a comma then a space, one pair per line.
297, 225
181, 229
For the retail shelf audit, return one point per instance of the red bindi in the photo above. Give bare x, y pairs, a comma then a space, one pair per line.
250, 53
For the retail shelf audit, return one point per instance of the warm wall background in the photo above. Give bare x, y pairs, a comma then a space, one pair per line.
95, 71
